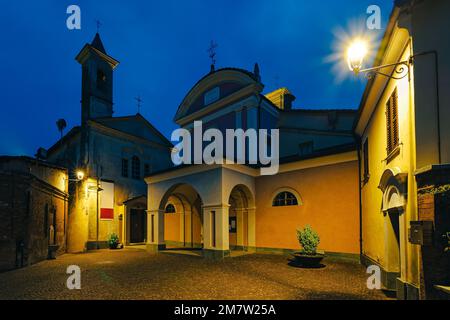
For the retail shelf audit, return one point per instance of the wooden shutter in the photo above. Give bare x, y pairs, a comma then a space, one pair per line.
394, 119
392, 134
388, 127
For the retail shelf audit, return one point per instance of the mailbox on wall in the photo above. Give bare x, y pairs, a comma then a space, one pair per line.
421, 233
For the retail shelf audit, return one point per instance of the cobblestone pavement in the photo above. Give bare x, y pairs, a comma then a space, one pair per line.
135, 274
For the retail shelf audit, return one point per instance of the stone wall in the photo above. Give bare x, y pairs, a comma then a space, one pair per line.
29, 210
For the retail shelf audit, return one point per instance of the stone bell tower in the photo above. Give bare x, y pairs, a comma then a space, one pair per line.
97, 80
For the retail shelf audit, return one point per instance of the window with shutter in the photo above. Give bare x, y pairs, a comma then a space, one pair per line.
392, 134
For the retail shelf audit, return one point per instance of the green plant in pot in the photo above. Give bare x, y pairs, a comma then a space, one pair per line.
309, 240
113, 241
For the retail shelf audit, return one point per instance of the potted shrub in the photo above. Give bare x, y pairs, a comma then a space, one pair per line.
113, 241
309, 256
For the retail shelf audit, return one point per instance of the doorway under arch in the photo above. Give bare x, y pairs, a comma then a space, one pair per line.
394, 202
241, 218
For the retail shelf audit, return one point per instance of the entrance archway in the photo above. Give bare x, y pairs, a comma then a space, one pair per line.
183, 225
393, 184
241, 218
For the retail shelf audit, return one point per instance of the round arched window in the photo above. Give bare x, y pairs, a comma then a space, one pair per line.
285, 198
170, 208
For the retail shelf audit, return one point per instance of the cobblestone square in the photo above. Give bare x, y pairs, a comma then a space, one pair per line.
136, 274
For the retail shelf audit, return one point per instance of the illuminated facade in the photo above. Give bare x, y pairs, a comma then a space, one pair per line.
403, 151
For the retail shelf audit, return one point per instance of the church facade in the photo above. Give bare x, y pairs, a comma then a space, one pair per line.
114, 154
223, 208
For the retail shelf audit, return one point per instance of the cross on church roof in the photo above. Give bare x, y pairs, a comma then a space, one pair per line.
139, 102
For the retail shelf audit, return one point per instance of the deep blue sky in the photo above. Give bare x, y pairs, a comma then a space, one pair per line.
162, 49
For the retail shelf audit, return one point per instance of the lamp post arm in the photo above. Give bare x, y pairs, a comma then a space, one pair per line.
400, 71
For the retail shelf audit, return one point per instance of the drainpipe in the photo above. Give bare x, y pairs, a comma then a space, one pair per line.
358, 145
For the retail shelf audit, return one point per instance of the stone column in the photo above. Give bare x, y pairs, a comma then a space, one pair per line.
216, 231
155, 230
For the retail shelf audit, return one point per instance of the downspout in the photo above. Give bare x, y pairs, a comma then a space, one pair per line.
358, 145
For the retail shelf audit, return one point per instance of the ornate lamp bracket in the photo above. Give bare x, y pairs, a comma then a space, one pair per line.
401, 70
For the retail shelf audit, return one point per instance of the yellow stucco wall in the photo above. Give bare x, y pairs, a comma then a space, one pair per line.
376, 224
330, 204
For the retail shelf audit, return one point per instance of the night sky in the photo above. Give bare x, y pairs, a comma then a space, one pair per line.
162, 47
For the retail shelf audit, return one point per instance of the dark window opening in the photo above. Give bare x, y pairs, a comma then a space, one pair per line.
101, 78
135, 168
170, 208
285, 198
125, 168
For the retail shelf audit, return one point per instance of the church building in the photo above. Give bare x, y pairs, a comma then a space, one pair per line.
222, 208
112, 155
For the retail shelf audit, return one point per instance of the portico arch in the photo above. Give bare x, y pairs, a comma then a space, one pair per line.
182, 226
242, 218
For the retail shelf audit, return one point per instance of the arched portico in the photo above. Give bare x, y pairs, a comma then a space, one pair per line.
181, 226
242, 218
183, 219
209, 191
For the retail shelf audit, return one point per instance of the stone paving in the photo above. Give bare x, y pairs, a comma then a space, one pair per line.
136, 274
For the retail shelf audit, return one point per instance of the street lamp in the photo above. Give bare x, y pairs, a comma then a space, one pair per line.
80, 175
355, 56
356, 53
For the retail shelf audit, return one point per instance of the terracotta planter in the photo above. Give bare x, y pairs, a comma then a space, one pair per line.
308, 261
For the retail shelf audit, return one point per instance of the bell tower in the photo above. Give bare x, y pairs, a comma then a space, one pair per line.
97, 80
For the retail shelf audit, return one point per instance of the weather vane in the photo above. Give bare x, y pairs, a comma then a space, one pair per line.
212, 53
139, 103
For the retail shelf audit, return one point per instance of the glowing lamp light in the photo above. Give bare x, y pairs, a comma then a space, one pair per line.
355, 55
80, 175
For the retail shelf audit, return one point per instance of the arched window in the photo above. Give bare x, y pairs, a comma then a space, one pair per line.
135, 168
170, 208
285, 198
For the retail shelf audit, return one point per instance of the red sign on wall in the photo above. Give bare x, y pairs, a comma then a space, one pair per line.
107, 201
106, 213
